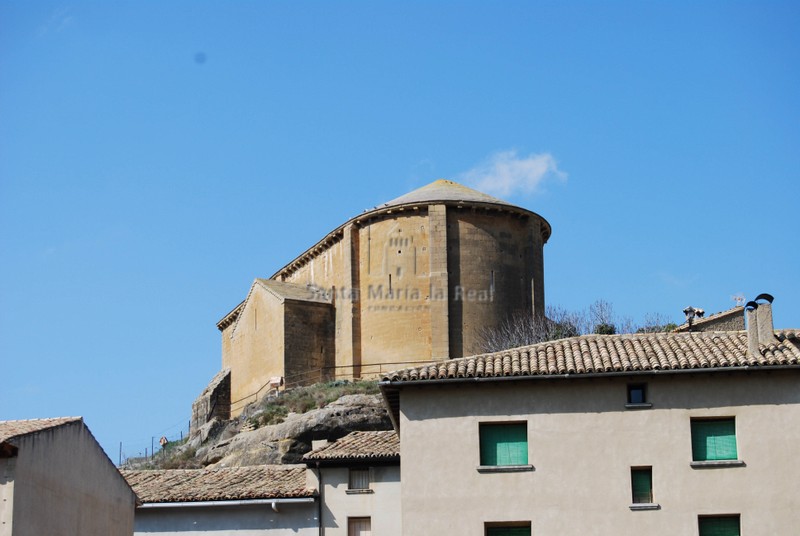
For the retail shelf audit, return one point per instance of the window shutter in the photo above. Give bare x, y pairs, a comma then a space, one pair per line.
642, 484
508, 531
719, 526
504, 444
714, 440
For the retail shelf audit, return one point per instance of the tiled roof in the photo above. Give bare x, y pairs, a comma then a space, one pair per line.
593, 354
224, 484
444, 190
282, 291
12, 429
384, 445
293, 291
437, 192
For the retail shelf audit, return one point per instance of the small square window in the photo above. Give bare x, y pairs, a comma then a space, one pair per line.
642, 484
714, 439
504, 444
637, 393
719, 525
359, 479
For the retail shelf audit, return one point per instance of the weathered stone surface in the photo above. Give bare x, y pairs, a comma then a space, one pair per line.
213, 402
211, 429
413, 280
288, 441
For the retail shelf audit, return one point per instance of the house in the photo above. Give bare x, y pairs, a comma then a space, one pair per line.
694, 433
414, 279
55, 480
358, 477
235, 501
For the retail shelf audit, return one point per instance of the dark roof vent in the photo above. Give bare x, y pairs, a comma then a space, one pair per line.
692, 313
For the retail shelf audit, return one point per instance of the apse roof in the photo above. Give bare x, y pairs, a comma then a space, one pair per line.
443, 190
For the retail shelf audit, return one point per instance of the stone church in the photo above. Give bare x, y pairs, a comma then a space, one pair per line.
413, 280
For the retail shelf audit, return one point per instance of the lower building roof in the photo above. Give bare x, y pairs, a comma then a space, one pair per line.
12, 429
223, 484
359, 447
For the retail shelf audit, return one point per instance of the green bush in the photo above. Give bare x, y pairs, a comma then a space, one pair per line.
304, 399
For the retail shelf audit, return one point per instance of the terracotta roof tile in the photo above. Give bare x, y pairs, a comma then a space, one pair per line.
12, 429
614, 353
224, 484
384, 445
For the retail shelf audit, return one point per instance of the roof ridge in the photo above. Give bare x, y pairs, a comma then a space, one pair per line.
623, 352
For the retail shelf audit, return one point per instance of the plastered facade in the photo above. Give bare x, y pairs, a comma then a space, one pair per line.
255, 520
582, 443
381, 504
413, 280
61, 483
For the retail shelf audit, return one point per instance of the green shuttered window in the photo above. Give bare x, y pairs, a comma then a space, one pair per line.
508, 531
504, 444
713, 439
642, 484
719, 526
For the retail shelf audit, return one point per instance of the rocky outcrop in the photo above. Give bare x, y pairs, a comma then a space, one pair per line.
288, 441
213, 403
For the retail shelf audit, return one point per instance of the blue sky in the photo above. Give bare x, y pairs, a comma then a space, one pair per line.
156, 157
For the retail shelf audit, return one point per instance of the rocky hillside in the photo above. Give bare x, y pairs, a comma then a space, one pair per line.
280, 430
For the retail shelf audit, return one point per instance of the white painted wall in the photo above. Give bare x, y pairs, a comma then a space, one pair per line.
382, 505
291, 520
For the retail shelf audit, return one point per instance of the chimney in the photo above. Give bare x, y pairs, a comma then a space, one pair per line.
760, 330
751, 313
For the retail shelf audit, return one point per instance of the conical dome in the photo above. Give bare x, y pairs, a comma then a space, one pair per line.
444, 190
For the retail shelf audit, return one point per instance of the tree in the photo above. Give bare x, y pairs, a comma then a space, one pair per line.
523, 329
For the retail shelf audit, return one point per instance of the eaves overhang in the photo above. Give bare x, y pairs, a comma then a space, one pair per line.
390, 389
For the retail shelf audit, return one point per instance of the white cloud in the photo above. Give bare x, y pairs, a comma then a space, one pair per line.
60, 18
504, 173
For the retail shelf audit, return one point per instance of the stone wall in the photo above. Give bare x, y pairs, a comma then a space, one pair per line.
406, 284
309, 342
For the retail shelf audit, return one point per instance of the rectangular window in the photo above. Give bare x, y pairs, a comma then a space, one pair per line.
637, 394
359, 479
642, 484
517, 529
359, 526
719, 525
713, 439
504, 444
